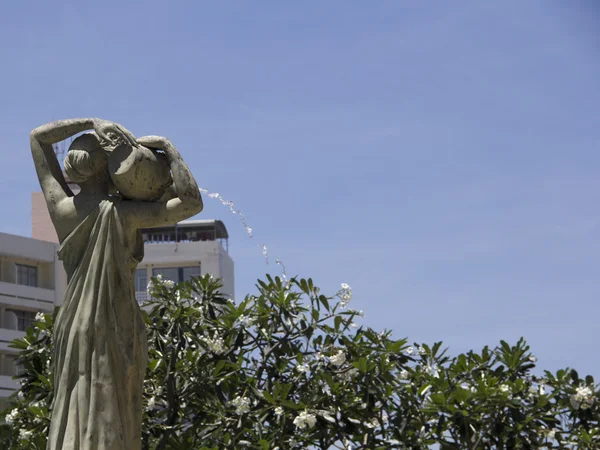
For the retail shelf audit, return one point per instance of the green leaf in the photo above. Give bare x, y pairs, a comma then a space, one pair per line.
438, 398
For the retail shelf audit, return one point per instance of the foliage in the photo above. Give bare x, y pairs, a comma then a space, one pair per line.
289, 368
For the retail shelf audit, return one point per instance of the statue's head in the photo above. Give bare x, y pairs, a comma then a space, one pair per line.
86, 159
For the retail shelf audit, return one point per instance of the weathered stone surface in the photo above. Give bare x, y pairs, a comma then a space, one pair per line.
139, 173
100, 340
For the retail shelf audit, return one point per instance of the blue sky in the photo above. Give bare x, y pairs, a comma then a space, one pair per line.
442, 158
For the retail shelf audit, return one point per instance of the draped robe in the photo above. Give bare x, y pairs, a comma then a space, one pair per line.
100, 352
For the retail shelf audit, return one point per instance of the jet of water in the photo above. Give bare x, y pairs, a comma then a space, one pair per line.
248, 228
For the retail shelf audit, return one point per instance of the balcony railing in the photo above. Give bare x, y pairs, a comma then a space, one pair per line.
142, 296
26, 292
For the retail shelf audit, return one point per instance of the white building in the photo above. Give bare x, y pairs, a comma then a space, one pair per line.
31, 280
190, 248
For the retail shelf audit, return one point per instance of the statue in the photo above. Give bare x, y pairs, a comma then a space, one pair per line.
100, 341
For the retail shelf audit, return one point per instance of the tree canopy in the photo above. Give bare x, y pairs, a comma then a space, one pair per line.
291, 368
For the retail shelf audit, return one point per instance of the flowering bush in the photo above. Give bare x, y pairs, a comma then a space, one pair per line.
290, 368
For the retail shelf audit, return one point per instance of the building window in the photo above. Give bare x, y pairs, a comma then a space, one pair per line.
27, 275
20, 369
141, 285
141, 280
24, 318
188, 272
177, 274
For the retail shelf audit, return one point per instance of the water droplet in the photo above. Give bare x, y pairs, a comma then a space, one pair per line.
248, 228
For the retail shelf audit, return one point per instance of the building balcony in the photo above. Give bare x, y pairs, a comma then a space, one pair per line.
8, 385
6, 337
29, 296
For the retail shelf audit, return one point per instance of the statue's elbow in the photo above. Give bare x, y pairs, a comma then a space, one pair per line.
194, 205
199, 205
33, 136
36, 135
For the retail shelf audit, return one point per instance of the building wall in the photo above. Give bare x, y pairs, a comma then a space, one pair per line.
227, 274
24, 299
41, 224
211, 256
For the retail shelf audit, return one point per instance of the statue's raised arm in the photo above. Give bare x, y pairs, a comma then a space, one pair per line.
48, 169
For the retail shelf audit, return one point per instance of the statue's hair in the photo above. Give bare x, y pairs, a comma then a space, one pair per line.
85, 158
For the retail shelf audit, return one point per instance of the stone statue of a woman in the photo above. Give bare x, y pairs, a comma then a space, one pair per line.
99, 336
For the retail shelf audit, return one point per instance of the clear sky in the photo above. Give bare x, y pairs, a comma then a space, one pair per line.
443, 158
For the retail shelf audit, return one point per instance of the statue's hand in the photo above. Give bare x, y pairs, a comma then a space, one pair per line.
112, 134
156, 142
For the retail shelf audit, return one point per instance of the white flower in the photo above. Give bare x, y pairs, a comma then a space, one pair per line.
279, 411
169, 284
178, 295
305, 420
11, 416
302, 368
373, 423
246, 321
216, 345
345, 295
410, 350
20, 395
24, 434
150, 288
241, 404
404, 374
542, 389
151, 403
533, 392
582, 398
338, 359
532, 359
39, 317
422, 351
504, 388
551, 434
